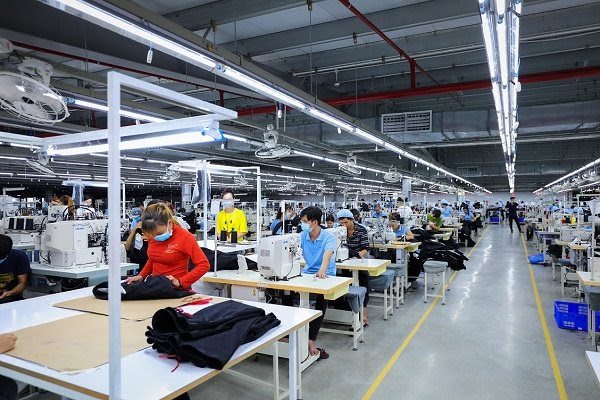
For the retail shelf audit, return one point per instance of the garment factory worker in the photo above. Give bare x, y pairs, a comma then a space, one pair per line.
378, 212
170, 249
292, 220
554, 207
14, 271
276, 224
357, 242
231, 218
8, 387
330, 221
318, 247
434, 219
357, 215
468, 214
136, 245
447, 208
136, 216
401, 230
511, 208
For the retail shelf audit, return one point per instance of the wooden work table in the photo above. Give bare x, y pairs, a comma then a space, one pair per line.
408, 246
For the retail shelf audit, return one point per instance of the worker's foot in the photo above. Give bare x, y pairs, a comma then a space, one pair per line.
312, 348
365, 320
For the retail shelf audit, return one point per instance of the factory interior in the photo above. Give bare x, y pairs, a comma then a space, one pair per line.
300, 199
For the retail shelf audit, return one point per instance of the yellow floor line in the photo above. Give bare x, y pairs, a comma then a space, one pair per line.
560, 385
388, 366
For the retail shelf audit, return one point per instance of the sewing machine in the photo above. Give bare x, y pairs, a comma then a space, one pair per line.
22, 230
568, 234
341, 253
279, 256
74, 243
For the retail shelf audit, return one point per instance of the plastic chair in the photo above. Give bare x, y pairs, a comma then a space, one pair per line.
436, 269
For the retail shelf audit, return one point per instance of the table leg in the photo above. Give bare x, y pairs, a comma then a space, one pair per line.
355, 278
304, 300
276, 370
294, 367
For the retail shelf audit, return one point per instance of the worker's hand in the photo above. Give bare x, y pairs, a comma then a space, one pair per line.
321, 275
174, 281
7, 342
133, 279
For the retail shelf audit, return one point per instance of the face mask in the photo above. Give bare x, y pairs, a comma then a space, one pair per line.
306, 227
288, 215
227, 203
163, 236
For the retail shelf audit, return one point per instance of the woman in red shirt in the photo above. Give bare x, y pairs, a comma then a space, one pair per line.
170, 248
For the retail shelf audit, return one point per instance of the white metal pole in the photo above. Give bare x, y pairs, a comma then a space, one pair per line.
258, 206
124, 211
114, 236
204, 172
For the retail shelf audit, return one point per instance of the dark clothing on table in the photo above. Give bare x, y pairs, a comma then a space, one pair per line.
8, 389
17, 263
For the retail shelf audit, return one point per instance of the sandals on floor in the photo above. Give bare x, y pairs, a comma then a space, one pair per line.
323, 354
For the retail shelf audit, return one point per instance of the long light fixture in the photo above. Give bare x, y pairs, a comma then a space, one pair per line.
171, 140
169, 46
587, 166
124, 113
500, 28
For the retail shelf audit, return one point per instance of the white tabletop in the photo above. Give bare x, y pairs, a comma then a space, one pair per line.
586, 278
78, 273
594, 360
307, 283
227, 247
148, 376
24, 246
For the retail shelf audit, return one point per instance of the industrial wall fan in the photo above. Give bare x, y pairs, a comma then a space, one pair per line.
240, 181
41, 165
392, 176
271, 150
170, 175
27, 94
350, 167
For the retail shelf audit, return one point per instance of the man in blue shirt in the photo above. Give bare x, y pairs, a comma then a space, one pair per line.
14, 270
447, 209
318, 246
378, 212
401, 230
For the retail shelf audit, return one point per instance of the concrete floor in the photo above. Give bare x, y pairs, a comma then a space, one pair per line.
485, 343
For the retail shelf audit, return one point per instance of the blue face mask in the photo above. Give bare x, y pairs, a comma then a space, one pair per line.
306, 227
163, 236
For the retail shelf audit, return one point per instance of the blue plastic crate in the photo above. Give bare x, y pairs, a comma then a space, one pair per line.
573, 316
494, 219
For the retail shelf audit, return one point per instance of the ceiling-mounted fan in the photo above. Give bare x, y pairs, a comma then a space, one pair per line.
27, 94
392, 176
272, 150
350, 166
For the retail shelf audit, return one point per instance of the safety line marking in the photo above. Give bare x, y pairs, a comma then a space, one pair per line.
560, 385
388, 366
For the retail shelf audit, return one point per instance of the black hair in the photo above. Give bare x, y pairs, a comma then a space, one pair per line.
355, 212
330, 217
312, 213
6, 244
228, 190
279, 215
437, 213
154, 201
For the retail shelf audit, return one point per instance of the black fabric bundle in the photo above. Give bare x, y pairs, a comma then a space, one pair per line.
151, 288
441, 252
226, 261
209, 337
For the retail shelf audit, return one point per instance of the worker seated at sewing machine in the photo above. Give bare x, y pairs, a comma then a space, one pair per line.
401, 231
14, 271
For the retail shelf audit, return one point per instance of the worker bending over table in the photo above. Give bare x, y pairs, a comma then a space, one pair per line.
357, 242
14, 270
231, 219
434, 220
170, 249
399, 229
318, 247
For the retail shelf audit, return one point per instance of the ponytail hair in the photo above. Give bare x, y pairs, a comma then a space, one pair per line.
157, 215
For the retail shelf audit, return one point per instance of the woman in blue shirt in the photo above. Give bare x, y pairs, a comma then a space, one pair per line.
276, 225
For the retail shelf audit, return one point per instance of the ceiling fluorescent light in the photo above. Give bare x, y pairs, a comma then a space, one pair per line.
235, 138
158, 141
308, 155
330, 119
292, 168
368, 136
124, 113
12, 158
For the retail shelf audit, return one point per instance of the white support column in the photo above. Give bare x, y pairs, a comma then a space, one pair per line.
258, 206
114, 235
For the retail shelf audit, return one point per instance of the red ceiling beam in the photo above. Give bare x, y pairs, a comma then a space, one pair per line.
540, 77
